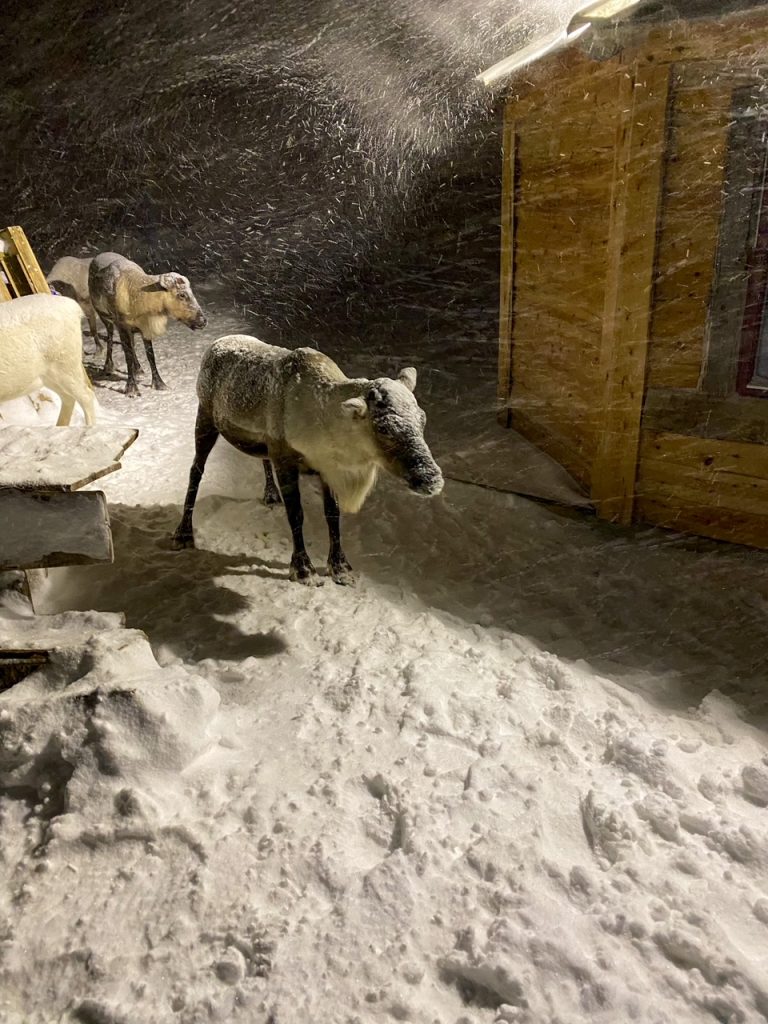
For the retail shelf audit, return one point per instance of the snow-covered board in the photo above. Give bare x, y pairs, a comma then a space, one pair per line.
60, 458
47, 528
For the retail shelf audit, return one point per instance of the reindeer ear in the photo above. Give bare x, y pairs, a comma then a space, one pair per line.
354, 408
408, 377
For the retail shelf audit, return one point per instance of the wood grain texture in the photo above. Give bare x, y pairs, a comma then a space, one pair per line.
561, 225
695, 413
708, 486
640, 146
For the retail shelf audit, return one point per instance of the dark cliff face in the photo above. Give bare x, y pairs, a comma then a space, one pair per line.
330, 161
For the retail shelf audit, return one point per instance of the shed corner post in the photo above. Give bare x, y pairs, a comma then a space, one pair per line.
506, 265
642, 115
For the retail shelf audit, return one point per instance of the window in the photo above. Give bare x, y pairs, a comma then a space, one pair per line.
753, 357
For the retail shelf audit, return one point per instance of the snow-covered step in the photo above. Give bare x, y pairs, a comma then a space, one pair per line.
46, 520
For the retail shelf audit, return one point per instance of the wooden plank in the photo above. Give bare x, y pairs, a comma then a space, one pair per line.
47, 528
561, 230
734, 527
713, 487
60, 458
567, 74
706, 455
692, 488
733, 418
507, 265
640, 146
29, 264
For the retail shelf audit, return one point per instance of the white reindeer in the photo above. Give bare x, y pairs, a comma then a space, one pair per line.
41, 345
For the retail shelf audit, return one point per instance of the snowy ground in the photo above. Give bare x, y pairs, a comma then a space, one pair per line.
518, 774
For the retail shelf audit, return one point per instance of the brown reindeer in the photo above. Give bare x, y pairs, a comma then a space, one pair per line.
299, 412
128, 298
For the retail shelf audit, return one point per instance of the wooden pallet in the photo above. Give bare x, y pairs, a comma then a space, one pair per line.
20, 273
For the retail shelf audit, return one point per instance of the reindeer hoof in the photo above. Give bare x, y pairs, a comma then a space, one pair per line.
342, 573
180, 541
159, 385
131, 390
302, 571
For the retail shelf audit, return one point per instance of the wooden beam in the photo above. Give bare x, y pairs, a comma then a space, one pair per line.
712, 487
507, 265
640, 150
28, 262
731, 418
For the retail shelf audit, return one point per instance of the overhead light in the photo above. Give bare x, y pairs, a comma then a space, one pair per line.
603, 10
531, 53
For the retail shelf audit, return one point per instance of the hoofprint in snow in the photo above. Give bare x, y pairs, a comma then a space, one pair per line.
518, 774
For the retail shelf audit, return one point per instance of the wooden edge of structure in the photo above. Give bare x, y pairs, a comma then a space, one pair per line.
112, 467
110, 463
635, 200
20, 273
507, 269
43, 529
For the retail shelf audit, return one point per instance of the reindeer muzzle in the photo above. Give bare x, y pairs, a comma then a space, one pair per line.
426, 481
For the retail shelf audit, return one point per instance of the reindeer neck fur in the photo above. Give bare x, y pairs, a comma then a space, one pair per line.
341, 450
146, 302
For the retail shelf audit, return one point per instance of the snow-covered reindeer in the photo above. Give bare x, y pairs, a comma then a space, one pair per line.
128, 298
41, 345
299, 412
69, 276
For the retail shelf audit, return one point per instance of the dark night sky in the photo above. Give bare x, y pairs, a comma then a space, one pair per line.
324, 159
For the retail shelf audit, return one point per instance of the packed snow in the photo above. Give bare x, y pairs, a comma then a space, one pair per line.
518, 774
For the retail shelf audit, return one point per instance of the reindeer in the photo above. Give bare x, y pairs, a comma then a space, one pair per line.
131, 300
298, 412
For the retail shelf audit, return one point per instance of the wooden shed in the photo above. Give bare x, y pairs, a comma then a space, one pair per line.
634, 269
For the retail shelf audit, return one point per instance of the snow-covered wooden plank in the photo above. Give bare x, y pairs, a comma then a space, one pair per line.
60, 458
47, 528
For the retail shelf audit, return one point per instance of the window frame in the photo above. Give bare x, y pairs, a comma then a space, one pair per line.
730, 341
755, 320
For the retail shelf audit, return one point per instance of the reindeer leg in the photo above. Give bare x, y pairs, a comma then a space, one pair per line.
90, 313
131, 362
339, 568
109, 366
157, 381
301, 570
271, 491
205, 438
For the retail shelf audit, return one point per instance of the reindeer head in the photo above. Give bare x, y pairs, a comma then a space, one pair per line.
180, 303
396, 422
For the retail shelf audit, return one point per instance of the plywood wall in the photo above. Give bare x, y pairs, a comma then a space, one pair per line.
565, 157
704, 485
